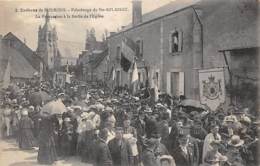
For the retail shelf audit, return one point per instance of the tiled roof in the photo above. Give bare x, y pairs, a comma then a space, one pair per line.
20, 67
164, 10
24, 50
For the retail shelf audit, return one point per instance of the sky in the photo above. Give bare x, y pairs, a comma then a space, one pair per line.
25, 24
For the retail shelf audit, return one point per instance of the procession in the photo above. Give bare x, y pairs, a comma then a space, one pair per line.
177, 86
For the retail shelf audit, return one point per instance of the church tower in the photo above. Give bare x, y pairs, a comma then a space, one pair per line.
47, 45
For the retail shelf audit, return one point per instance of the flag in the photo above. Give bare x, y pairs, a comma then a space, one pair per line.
212, 87
125, 63
67, 67
128, 53
134, 73
112, 74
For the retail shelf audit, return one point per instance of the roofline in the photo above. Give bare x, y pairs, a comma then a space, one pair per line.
149, 21
19, 40
239, 48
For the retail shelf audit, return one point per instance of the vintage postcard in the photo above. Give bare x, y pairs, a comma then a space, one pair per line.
129, 82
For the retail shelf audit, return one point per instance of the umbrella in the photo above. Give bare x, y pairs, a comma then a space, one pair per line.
192, 103
53, 107
38, 97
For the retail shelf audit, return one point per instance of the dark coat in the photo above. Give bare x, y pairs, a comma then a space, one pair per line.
182, 159
102, 156
47, 147
148, 158
119, 153
163, 128
25, 138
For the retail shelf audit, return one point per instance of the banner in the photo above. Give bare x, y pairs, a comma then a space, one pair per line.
134, 74
125, 63
212, 87
128, 48
128, 53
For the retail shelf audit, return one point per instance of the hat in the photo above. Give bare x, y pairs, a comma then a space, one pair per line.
230, 118
24, 112
84, 115
31, 107
61, 94
109, 109
85, 109
67, 119
148, 110
245, 120
69, 109
77, 107
235, 141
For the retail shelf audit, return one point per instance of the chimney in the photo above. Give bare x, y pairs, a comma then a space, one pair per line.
137, 12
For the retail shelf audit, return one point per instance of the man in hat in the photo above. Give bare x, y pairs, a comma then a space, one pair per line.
183, 154
148, 154
163, 128
119, 149
102, 155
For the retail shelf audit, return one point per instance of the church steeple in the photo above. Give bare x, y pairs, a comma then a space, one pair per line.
47, 17
47, 43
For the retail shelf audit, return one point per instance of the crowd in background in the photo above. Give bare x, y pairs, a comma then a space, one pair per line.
119, 129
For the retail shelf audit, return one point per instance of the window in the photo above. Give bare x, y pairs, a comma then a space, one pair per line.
175, 41
118, 52
175, 83
118, 78
157, 79
139, 48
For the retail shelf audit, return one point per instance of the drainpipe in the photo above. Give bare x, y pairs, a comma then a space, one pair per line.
201, 35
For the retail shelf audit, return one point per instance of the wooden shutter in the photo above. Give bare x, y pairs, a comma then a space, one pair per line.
180, 36
168, 83
181, 83
170, 43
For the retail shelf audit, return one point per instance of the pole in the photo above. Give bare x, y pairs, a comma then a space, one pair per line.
230, 75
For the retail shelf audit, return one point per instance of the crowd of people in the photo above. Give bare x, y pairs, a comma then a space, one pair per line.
119, 129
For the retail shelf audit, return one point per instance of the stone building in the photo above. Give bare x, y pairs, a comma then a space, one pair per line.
47, 45
176, 40
18, 63
92, 57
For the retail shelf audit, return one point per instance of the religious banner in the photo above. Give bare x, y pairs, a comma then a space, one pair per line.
212, 87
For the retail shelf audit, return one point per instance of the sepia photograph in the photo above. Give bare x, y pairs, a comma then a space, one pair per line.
129, 82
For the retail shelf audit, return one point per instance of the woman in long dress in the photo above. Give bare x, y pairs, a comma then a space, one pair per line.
47, 148
25, 137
